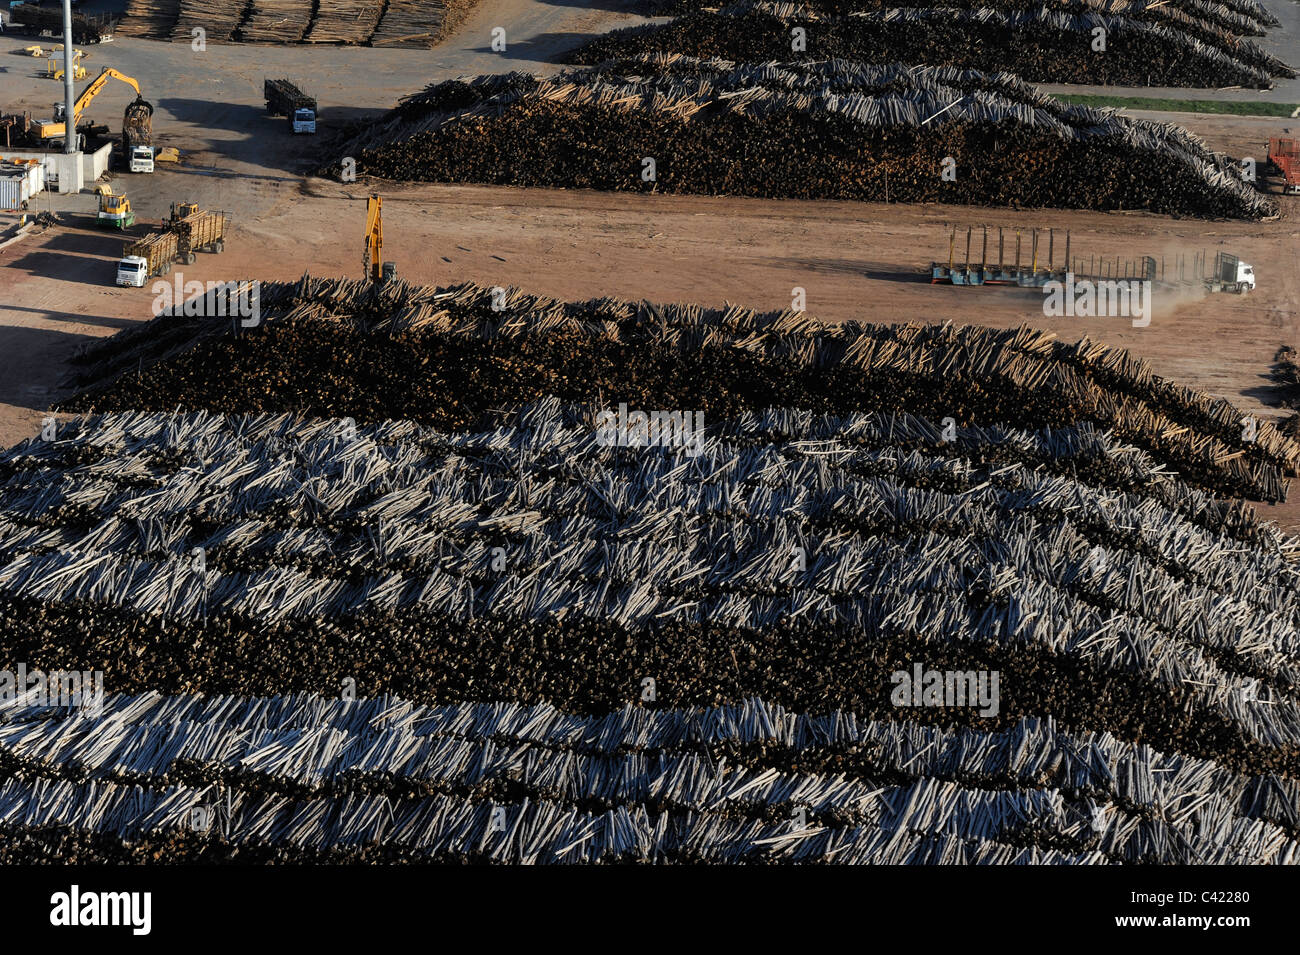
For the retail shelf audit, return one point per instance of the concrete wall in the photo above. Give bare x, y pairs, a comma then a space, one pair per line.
73, 172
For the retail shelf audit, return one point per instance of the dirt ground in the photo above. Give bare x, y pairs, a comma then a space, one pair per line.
855, 260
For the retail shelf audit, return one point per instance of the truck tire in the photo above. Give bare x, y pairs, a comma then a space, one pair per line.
221, 245
189, 258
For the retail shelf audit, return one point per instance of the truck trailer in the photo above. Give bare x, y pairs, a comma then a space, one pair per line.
1231, 275
1284, 156
284, 98
198, 231
150, 256
137, 136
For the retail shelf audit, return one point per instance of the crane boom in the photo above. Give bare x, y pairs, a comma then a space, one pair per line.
52, 130
373, 263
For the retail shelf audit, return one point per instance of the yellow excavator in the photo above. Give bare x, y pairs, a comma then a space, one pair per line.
372, 262
55, 128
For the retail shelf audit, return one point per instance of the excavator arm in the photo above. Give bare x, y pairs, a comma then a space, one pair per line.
51, 130
373, 262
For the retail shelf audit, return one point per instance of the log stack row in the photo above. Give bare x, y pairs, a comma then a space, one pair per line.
1042, 45
308, 780
823, 130
395, 23
404, 352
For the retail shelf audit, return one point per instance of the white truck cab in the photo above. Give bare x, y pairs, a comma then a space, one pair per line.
1246, 276
133, 271
141, 159
304, 120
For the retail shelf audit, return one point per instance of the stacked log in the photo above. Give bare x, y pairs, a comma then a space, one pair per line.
630, 561
217, 18
393, 472
1042, 45
392, 23
344, 21
422, 353
410, 23
276, 21
150, 18
422, 784
1206, 14
819, 130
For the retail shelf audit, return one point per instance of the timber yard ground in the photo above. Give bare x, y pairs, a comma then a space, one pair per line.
855, 260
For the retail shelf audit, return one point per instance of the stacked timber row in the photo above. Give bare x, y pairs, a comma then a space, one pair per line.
654, 645
396, 23
310, 779
1239, 20
276, 21
1042, 45
1121, 603
833, 129
446, 356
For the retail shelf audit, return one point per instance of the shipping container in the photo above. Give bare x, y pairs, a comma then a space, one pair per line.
20, 181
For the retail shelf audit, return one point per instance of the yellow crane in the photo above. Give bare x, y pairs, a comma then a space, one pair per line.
372, 262
56, 127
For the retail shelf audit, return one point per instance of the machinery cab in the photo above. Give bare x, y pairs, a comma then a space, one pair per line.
115, 211
182, 209
1246, 276
132, 270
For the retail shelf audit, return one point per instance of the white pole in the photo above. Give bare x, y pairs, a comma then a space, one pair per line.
69, 77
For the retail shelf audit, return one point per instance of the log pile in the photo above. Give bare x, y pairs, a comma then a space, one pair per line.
819, 130
412, 352
1203, 14
344, 21
389, 23
217, 18
411, 23
421, 784
421, 474
150, 18
1042, 45
276, 21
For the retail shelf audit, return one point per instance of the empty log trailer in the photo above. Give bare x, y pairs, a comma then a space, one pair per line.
38, 19
1032, 263
284, 98
1284, 156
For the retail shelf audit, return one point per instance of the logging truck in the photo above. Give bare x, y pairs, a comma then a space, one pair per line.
284, 98
1231, 275
150, 256
196, 230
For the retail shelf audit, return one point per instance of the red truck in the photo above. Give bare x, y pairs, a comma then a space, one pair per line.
1284, 155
